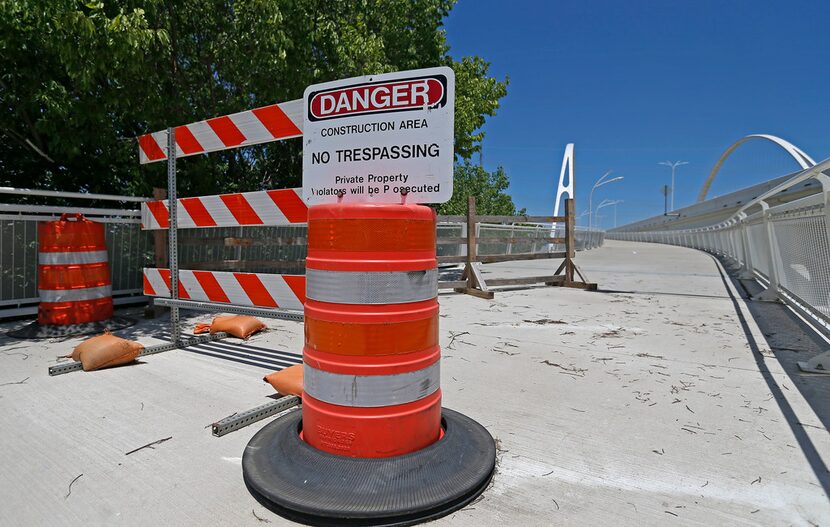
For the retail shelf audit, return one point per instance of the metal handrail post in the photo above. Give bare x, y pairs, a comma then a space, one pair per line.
733, 243
770, 294
729, 250
746, 271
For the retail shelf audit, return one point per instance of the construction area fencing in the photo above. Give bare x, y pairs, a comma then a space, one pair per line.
786, 246
270, 249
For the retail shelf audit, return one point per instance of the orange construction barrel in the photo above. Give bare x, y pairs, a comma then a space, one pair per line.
371, 355
372, 445
74, 282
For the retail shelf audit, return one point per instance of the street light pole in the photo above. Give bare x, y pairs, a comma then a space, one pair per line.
608, 203
600, 182
673, 168
584, 213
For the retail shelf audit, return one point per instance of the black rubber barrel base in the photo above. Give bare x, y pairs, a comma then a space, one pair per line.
36, 331
310, 486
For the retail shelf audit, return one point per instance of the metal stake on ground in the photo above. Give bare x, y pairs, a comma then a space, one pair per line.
69, 367
248, 417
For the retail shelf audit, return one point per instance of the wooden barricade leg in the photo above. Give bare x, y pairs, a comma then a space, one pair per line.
571, 271
476, 285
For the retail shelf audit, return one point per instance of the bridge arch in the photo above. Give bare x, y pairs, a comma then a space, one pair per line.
800, 157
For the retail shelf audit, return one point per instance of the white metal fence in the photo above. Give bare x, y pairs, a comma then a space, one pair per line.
786, 246
585, 238
535, 234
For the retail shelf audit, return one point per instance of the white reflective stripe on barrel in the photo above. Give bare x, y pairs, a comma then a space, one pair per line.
371, 391
70, 258
362, 287
74, 295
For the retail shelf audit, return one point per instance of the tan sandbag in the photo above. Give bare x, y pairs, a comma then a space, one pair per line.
240, 326
105, 351
288, 381
224, 319
91, 343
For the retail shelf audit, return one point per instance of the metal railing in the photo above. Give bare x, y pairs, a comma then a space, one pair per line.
129, 248
786, 246
586, 238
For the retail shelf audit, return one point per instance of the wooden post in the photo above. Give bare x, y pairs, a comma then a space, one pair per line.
471, 236
570, 240
571, 271
476, 285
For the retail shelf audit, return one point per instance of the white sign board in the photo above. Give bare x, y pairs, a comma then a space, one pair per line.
380, 139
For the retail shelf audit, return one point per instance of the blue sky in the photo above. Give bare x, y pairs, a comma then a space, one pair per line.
634, 82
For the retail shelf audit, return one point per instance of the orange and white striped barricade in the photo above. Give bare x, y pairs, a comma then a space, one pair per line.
260, 208
262, 290
274, 122
250, 127
74, 281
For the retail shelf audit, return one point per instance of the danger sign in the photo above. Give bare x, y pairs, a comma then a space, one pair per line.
382, 138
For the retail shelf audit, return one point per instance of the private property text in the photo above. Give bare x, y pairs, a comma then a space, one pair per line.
373, 184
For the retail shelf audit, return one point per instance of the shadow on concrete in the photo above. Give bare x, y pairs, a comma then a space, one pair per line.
777, 320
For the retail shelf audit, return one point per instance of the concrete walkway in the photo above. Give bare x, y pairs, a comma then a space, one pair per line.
654, 402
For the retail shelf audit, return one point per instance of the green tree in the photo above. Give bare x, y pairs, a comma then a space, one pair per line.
489, 189
80, 80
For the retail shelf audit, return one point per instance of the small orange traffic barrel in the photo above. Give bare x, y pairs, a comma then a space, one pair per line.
74, 282
372, 445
